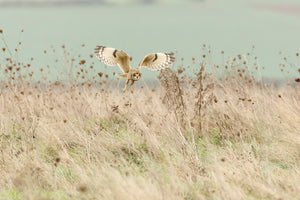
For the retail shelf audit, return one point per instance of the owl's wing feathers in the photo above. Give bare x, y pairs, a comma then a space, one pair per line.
157, 61
111, 57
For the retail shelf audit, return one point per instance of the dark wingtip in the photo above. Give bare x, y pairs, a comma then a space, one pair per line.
97, 49
172, 58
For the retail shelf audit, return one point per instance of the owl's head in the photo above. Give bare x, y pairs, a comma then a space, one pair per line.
136, 75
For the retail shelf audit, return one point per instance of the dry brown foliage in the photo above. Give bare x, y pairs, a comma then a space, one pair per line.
173, 95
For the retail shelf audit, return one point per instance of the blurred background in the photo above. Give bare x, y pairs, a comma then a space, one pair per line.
268, 29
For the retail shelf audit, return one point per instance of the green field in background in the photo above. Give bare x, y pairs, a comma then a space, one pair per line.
232, 26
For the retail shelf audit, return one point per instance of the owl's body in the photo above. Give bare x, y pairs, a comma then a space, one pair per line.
112, 57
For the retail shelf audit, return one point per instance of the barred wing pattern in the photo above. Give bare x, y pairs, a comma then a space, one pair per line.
111, 57
157, 61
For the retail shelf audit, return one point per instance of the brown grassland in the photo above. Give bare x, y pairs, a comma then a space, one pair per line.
189, 137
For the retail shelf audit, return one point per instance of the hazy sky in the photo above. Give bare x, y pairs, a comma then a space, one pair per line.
231, 25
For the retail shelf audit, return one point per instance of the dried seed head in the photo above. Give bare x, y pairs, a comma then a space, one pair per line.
297, 80
81, 62
82, 188
100, 74
115, 108
297, 54
57, 160
179, 71
1, 31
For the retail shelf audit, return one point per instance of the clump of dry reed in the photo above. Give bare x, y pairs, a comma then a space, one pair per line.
173, 95
204, 96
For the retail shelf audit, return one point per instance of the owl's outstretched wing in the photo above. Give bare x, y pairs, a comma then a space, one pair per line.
157, 61
111, 57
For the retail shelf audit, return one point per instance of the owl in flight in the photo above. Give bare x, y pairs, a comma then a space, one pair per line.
112, 57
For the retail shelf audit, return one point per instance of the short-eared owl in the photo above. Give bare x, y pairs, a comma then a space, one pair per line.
112, 57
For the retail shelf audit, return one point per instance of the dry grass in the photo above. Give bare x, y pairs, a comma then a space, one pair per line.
220, 139
79, 143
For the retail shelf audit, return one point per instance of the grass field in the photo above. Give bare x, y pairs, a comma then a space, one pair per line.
189, 137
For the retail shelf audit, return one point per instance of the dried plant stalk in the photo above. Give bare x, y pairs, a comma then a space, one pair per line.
173, 95
204, 96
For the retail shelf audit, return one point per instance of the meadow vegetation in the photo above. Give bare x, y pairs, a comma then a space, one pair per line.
221, 133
